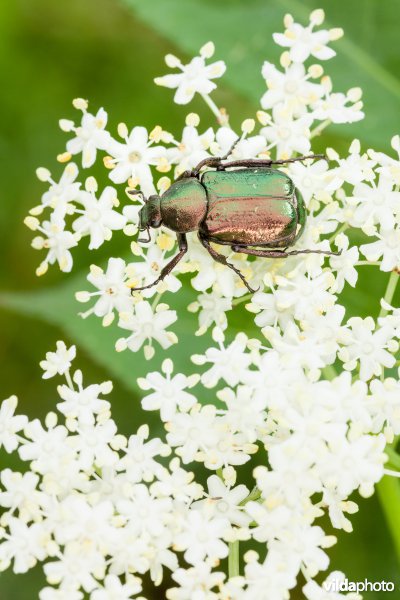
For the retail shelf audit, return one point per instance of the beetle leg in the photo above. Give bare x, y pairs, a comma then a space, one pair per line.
223, 260
212, 161
259, 252
183, 247
279, 253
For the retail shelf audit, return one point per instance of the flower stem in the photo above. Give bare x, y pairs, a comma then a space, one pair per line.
388, 488
319, 129
212, 106
390, 290
233, 559
330, 372
254, 495
340, 230
241, 299
389, 496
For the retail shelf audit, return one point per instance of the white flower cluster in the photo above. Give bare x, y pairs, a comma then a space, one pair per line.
316, 390
358, 191
100, 510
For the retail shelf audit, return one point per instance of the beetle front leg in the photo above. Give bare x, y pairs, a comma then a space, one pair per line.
183, 247
223, 261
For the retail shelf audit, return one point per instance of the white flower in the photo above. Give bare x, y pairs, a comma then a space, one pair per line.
291, 87
47, 448
146, 270
113, 292
58, 242
20, 493
98, 218
310, 178
211, 273
354, 169
212, 308
61, 196
114, 589
288, 135
24, 544
168, 392
93, 444
139, 462
190, 432
58, 362
146, 514
336, 108
376, 204
303, 41
271, 579
195, 582
228, 363
246, 147
133, 159
353, 464
191, 149
387, 247
147, 326
84, 403
384, 404
225, 502
75, 568
177, 483
327, 590
201, 537
90, 135
368, 347
10, 424
194, 77
344, 265
313, 348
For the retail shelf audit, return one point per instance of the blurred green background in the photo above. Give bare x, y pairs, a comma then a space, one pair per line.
109, 52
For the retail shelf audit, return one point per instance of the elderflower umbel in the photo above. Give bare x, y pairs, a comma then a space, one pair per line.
310, 391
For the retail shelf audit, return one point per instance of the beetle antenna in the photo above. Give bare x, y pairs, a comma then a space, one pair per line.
143, 240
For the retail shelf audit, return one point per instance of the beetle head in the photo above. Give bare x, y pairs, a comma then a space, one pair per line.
150, 215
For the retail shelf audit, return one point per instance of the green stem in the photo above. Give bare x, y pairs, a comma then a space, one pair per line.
330, 372
241, 299
388, 488
394, 458
233, 559
389, 496
319, 129
213, 107
390, 290
254, 495
341, 229
362, 263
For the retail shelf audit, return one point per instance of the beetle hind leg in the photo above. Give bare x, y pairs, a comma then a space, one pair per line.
279, 253
220, 258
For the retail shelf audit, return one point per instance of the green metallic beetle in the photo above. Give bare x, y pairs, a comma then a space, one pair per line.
255, 210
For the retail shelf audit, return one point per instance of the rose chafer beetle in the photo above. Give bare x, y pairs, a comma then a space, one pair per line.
245, 204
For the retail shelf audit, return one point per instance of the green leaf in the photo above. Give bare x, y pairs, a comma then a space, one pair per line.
242, 30
57, 305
